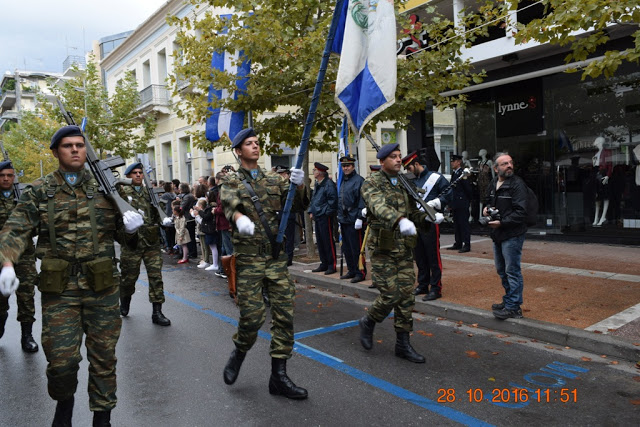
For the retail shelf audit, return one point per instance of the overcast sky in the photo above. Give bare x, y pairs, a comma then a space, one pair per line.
37, 35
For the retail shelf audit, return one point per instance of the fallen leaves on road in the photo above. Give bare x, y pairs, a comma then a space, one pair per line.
597, 332
503, 336
474, 325
495, 353
492, 379
426, 334
636, 379
472, 354
469, 335
614, 362
379, 341
585, 359
635, 402
604, 356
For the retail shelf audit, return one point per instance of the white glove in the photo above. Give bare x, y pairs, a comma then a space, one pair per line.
296, 176
439, 218
166, 221
245, 226
8, 281
358, 225
364, 212
407, 227
605, 180
435, 203
132, 221
466, 171
199, 219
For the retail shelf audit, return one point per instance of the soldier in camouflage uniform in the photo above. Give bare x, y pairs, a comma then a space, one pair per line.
255, 265
393, 217
25, 268
147, 248
76, 225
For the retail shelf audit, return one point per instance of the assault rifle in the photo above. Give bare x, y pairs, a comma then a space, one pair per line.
101, 169
17, 187
153, 196
411, 189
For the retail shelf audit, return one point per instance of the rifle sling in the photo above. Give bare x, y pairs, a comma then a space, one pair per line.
263, 219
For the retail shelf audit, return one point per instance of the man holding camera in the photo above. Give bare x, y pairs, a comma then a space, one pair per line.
507, 193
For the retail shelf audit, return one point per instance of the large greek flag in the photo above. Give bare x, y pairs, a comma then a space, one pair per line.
367, 74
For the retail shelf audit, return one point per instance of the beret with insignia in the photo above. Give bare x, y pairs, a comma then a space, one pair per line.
241, 136
386, 150
64, 132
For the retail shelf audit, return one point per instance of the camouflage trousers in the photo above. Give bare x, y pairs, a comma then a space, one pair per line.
28, 276
394, 276
130, 261
65, 318
253, 273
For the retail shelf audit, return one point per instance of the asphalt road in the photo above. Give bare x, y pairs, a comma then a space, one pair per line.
173, 376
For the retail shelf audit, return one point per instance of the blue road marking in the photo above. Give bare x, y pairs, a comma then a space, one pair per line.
339, 365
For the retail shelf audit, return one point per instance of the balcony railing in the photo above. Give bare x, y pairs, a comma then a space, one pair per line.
154, 95
73, 59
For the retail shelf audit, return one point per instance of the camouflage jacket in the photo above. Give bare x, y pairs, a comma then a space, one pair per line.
271, 190
71, 217
386, 205
7, 205
149, 233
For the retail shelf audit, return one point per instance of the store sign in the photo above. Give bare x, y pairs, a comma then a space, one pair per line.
519, 109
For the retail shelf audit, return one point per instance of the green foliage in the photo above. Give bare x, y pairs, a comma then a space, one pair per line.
284, 39
10, 85
564, 17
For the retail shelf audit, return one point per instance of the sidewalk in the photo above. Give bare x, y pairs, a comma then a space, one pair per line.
584, 296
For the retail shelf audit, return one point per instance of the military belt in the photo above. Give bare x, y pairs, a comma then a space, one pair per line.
263, 249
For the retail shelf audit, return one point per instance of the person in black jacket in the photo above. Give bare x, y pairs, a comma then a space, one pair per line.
324, 204
460, 201
507, 193
188, 200
350, 205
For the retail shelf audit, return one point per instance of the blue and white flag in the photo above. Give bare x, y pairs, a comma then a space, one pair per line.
367, 74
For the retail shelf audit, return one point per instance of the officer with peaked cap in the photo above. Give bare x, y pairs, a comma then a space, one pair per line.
322, 210
147, 248
459, 204
350, 205
25, 268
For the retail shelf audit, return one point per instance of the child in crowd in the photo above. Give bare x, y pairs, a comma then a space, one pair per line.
182, 234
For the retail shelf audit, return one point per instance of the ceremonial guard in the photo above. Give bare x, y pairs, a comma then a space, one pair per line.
252, 199
350, 205
147, 248
427, 250
76, 226
394, 218
459, 204
322, 210
25, 268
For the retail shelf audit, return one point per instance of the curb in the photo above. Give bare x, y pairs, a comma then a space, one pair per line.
536, 329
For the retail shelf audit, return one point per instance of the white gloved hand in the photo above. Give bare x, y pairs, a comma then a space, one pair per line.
199, 219
364, 212
407, 227
245, 226
166, 221
605, 180
439, 218
132, 221
358, 224
296, 176
8, 281
466, 171
435, 203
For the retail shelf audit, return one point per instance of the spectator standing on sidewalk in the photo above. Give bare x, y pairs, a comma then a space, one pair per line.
222, 225
508, 193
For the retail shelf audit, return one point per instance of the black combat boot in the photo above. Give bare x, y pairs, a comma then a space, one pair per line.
157, 317
102, 419
404, 349
28, 343
3, 321
232, 368
265, 297
64, 412
366, 332
281, 384
125, 303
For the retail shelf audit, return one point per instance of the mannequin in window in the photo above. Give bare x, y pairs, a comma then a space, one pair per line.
465, 160
604, 167
485, 174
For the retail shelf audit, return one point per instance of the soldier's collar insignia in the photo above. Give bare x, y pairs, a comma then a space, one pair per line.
71, 178
254, 173
7, 193
394, 180
138, 188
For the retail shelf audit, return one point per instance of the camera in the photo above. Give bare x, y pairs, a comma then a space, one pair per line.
493, 215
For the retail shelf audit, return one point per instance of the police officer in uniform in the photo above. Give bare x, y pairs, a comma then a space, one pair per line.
147, 248
76, 227
350, 205
255, 266
323, 207
25, 268
459, 204
427, 250
394, 218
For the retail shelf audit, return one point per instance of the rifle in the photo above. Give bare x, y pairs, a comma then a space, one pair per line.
17, 187
101, 170
153, 196
411, 189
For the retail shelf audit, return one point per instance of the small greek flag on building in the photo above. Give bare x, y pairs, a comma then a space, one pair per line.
367, 73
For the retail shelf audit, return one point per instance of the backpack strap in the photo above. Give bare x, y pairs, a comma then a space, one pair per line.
263, 218
52, 188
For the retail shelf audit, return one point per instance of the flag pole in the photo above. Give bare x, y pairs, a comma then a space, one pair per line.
306, 134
